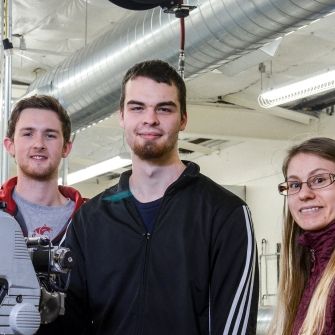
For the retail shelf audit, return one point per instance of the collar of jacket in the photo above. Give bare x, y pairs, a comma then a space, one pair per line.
321, 241
192, 171
7, 189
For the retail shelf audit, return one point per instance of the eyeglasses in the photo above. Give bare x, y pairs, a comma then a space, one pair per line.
313, 182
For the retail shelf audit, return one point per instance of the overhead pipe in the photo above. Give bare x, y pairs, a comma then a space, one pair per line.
218, 31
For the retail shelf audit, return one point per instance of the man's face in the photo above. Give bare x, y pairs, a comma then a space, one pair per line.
151, 118
38, 144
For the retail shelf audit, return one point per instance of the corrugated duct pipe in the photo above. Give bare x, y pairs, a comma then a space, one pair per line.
217, 31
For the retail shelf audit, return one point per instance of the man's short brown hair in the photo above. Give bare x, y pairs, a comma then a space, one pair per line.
40, 102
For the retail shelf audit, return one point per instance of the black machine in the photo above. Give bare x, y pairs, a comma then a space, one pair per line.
176, 7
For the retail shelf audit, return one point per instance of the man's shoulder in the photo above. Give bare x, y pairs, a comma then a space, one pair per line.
193, 181
214, 189
8, 186
72, 193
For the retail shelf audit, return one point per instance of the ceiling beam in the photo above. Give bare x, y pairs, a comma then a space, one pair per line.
224, 122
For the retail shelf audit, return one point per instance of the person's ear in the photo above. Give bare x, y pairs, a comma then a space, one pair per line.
9, 146
183, 121
66, 149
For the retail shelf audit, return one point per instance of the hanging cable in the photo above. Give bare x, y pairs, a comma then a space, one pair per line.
86, 22
180, 10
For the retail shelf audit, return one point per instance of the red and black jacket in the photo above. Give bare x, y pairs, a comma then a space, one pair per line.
11, 208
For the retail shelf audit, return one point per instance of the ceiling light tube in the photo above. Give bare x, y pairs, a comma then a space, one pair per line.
301, 89
96, 170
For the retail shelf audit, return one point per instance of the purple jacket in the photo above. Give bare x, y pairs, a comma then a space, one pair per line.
321, 245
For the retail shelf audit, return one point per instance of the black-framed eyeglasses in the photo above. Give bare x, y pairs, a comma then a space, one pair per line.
313, 182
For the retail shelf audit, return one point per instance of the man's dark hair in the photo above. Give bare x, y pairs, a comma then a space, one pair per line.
159, 71
40, 102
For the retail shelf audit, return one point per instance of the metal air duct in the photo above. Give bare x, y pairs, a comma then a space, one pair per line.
217, 31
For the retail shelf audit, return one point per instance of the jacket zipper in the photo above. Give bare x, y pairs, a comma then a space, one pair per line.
141, 306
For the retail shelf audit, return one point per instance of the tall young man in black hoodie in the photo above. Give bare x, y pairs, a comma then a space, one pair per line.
167, 250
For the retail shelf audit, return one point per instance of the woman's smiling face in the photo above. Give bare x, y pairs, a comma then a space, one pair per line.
311, 209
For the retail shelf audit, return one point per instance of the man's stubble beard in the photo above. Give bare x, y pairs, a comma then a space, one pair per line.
151, 150
45, 174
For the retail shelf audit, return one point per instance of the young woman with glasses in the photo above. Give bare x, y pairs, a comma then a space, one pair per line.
306, 293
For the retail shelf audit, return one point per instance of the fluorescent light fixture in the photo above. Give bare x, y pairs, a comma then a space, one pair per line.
96, 170
301, 89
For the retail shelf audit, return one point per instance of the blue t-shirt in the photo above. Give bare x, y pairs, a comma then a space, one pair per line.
148, 211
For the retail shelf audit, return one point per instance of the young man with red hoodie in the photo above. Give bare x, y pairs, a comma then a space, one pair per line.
38, 137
